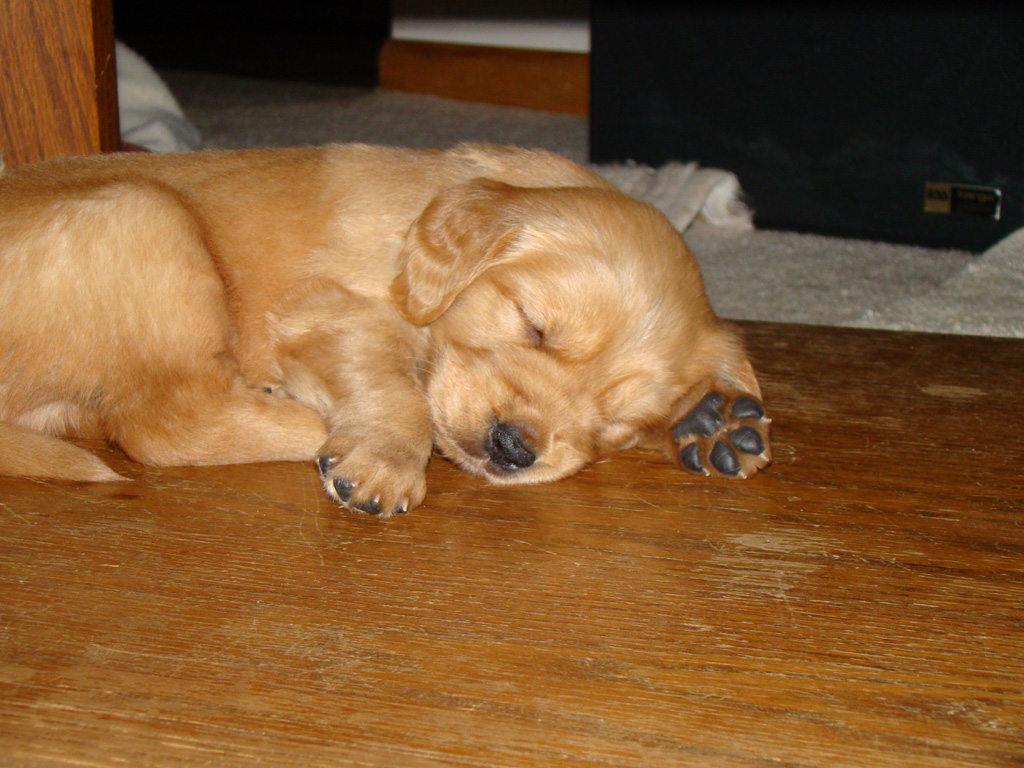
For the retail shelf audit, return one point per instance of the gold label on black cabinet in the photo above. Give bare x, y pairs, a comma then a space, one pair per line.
962, 199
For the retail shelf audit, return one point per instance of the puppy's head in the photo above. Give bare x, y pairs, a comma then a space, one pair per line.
564, 324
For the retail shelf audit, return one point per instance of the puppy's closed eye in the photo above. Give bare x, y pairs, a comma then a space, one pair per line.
534, 327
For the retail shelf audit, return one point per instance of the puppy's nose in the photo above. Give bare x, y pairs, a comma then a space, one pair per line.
507, 449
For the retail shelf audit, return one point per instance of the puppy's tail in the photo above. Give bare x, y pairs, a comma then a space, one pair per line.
27, 453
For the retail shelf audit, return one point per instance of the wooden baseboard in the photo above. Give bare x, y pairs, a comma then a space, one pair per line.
555, 81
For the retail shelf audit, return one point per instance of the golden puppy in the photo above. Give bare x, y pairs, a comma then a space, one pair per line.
357, 305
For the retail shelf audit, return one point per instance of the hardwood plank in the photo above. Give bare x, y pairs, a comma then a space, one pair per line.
856, 605
555, 81
58, 80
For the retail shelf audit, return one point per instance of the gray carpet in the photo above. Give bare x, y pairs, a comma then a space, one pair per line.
753, 274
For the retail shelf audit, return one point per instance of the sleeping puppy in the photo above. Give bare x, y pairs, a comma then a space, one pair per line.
356, 306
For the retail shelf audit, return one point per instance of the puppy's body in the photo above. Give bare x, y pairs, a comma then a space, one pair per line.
356, 304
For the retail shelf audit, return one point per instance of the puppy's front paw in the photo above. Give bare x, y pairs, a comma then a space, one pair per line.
380, 483
725, 433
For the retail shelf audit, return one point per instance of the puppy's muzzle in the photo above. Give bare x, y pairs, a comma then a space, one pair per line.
507, 449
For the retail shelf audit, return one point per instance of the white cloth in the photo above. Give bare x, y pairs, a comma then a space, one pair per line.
684, 191
150, 115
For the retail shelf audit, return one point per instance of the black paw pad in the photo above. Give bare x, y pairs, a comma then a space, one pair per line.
344, 489
324, 464
747, 408
724, 459
369, 507
747, 440
689, 457
704, 420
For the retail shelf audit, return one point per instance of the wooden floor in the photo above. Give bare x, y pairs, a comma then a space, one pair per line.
860, 604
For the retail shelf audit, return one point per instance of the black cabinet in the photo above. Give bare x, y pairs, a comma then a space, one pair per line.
896, 122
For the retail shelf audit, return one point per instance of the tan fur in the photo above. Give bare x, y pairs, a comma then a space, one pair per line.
351, 303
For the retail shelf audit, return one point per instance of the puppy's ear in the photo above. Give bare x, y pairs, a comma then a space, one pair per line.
461, 233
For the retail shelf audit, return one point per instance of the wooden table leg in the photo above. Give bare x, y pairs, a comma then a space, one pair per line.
58, 79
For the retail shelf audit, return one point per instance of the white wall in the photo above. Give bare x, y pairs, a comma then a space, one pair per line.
549, 35
555, 25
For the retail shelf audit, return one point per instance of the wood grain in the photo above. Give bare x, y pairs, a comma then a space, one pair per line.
555, 81
58, 79
859, 604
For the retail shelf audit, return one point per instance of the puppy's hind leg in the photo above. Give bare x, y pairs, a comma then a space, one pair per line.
155, 339
213, 417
